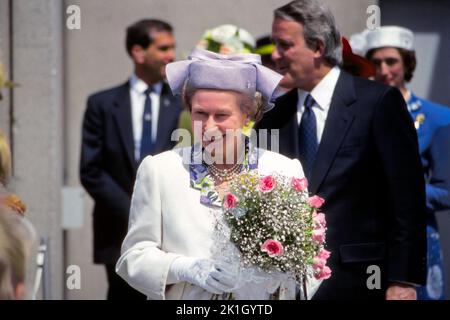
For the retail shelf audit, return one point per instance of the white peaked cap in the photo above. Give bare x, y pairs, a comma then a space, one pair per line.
390, 36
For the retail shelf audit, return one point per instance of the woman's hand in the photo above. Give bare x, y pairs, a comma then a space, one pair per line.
215, 277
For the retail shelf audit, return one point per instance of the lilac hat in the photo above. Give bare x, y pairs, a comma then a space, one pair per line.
237, 72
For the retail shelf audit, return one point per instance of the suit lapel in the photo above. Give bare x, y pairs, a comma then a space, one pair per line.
122, 116
293, 142
338, 122
164, 118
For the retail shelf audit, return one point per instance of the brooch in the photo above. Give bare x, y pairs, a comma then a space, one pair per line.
420, 118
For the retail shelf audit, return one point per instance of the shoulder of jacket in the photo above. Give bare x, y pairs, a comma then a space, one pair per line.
270, 156
109, 92
172, 156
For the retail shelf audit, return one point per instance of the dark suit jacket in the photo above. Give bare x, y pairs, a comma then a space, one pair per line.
368, 171
108, 167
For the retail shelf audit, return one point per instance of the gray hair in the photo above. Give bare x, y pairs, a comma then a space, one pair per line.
318, 24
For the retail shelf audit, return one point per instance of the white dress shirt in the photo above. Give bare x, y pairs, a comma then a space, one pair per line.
137, 94
322, 94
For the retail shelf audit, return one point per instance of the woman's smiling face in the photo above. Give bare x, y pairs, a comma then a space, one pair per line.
218, 113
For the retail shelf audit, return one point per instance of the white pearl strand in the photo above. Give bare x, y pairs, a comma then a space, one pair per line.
224, 175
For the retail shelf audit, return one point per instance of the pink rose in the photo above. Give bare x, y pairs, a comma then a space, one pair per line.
324, 273
230, 201
324, 254
267, 184
319, 235
319, 219
272, 247
299, 184
315, 202
320, 260
319, 263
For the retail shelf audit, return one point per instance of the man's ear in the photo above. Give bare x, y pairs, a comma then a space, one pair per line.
320, 49
137, 54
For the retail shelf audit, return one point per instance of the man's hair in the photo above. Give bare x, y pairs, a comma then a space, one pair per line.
408, 59
141, 32
318, 25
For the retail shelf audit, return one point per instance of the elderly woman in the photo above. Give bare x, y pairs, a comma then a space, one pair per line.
168, 252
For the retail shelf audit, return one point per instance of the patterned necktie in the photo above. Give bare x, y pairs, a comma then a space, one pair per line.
146, 139
308, 143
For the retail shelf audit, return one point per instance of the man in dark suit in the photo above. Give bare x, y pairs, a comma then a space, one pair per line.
358, 148
121, 126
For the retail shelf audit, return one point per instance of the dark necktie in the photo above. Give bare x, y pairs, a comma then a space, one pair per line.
146, 140
308, 143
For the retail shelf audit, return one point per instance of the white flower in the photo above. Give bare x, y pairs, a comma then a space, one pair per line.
223, 33
238, 212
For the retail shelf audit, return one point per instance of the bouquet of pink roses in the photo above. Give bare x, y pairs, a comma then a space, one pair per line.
276, 226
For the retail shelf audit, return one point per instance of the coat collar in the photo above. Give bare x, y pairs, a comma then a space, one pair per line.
200, 178
414, 104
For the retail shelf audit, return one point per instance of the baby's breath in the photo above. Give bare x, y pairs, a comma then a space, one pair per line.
282, 214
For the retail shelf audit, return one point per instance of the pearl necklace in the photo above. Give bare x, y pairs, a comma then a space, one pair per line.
224, 175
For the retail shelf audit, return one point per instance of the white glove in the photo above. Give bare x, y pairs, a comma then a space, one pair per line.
213, 276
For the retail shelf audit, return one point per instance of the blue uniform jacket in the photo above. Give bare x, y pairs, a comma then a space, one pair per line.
429, 118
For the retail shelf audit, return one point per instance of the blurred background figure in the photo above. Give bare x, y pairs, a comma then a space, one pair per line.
17, 235
223, 39
5, 160
8, 198
17, 242
265, 47
391, 50
121, 127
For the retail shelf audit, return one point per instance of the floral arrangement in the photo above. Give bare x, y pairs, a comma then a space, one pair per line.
227, 39
276, 225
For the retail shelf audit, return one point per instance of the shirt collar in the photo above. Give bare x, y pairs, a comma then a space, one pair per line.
323, 91
139, 86
413, 103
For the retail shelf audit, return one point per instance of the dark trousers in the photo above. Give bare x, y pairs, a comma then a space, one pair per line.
118, 289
